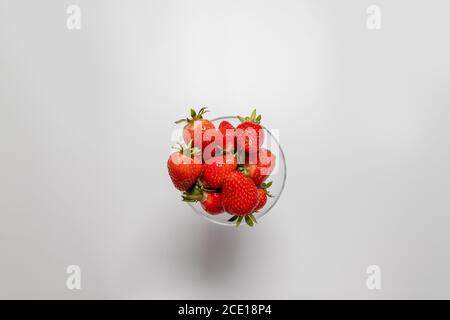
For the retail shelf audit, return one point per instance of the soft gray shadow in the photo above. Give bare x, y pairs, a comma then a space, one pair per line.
206, 253
219, 252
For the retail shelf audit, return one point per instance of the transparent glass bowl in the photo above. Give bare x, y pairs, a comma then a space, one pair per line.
278, 178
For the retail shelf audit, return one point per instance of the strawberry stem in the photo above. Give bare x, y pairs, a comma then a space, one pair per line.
252, 118
194, 116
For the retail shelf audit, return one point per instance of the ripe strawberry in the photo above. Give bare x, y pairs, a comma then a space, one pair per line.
263, 194
216, 169
250, 134
239, 196
229, 136
195, 128
211, 202
259, 171
262, 199
184, 170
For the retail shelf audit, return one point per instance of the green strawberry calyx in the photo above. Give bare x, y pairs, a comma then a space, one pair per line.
187, 149
249, 219
196, 193
243, 169
265, 186
252, 118
194, 116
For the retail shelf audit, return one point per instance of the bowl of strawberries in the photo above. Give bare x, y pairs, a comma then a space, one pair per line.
230, 170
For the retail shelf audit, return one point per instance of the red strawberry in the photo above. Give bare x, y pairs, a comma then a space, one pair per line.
216, 169
239, 197
195, 128
259, 171
229, 136
263, 194
262, 199
211, 202
250, 134
184, 170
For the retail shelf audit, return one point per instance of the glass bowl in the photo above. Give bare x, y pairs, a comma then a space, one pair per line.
278, 178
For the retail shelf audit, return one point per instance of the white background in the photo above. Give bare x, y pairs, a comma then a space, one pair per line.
85, 124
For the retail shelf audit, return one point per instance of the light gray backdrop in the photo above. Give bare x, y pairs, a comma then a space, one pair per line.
85, 123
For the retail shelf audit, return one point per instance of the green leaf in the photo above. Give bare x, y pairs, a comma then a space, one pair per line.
193, 113
194, 194
239, 220
180, 121
258, 119
266, 185
253, 115
253, 218
241, 119
249, 221
203, 111
233, 218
